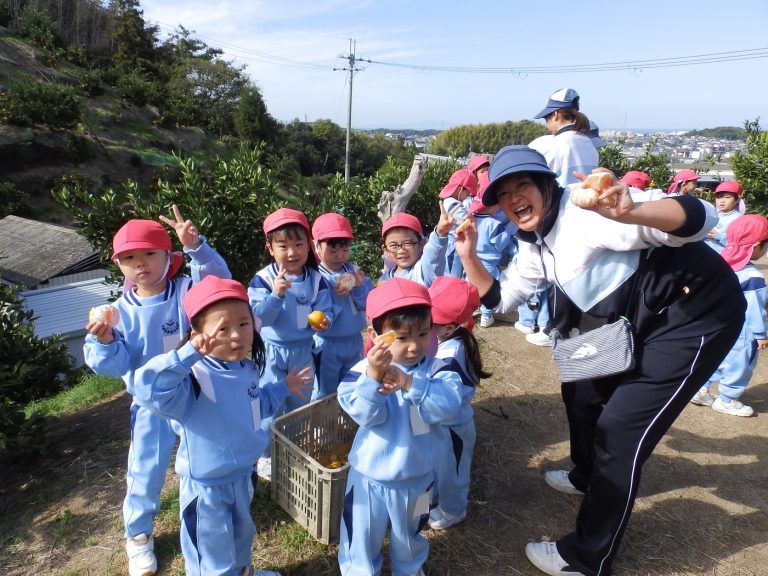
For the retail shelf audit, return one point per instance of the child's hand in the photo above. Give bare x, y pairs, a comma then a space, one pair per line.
205, 343
447, 221
395, 379
379, 359
295, 381
280, 285
711, 234
102, 331
359, 277
762, 344
188, 234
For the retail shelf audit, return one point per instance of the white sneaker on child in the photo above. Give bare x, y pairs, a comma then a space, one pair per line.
703, 397
141, 555
539, 339
545, 557
731, 407
439, 520
264, 469
520, 327
487, 320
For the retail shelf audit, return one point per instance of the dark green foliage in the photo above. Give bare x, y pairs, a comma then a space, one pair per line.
251, 119
89, 82
751, 168
134, 41
612, 157
135, 88
30, 102
725, 132
11, 199
39, 28
485, 138
30, 368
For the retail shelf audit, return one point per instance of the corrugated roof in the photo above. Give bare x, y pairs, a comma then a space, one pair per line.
31, 252
64, 309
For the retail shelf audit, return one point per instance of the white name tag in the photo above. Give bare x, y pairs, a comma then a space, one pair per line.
418, 426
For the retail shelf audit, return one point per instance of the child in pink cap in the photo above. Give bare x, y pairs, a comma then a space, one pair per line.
453, 302
397, 395
410, 254
152, 321
747, 240
727, 200
341, 346
209, 387
282, 295
455, 198
683, 182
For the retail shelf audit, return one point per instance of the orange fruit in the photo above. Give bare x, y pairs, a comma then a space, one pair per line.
387, 337
104, 313
316, 320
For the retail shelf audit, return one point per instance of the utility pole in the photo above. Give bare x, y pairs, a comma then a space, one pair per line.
351, 59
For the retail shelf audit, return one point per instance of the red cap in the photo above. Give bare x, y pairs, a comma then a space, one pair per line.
742, 234
453, 300
478, 162
636, 178
284, 217
393, 294
331, 225
402, 220
136, 234
731, 186
209, 290
463, 178
477, 201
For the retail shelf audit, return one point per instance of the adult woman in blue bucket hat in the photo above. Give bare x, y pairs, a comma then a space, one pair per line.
608, 259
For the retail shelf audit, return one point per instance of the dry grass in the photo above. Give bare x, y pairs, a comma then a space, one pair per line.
701, 510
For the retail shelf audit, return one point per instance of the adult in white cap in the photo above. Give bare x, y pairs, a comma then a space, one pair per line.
568, 150
639, 259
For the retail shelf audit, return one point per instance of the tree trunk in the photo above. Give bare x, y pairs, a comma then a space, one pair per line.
396, 201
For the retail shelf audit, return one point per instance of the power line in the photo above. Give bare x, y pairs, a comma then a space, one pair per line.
631, 65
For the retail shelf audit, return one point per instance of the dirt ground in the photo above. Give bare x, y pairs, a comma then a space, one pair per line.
702, 507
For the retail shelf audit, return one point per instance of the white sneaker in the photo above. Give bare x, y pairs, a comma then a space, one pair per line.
264, 469
520, 327
545, 557
558, 479
439, 520
141, 555
486, 321
573, 332
539, 339
703, 397
731, 407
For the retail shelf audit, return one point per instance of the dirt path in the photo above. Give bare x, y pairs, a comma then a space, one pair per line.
702, 510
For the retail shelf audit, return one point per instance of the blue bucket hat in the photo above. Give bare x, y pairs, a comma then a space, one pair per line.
594, 135
511, 160
563, 98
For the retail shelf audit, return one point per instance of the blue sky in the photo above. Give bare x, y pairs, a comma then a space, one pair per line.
290, 48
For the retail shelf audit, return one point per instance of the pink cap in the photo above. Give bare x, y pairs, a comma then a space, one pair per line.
453, 300
283, 217
331, 225
212, 289
636, 178
463, 178
402, 220
478, 162
393, 294
137, 234
731, 186
742, 234
477, 202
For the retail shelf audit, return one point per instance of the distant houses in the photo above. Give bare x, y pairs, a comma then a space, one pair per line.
60, 275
